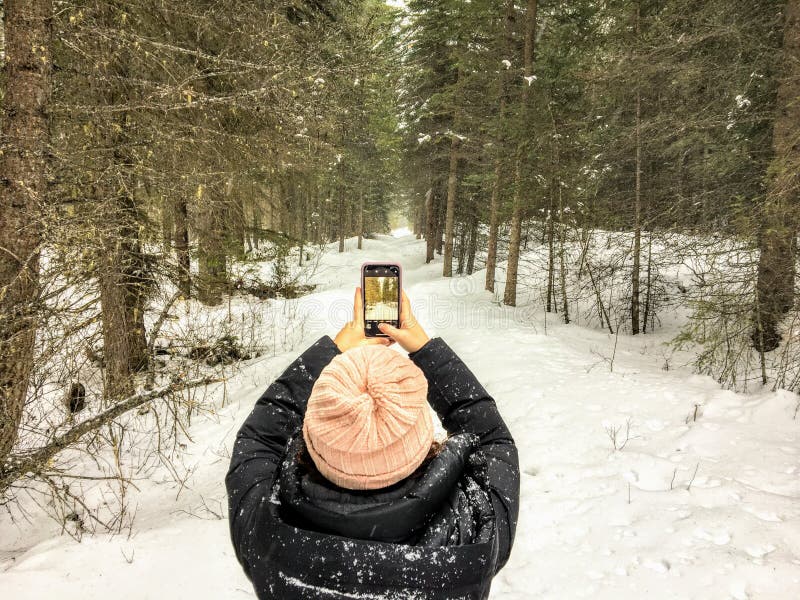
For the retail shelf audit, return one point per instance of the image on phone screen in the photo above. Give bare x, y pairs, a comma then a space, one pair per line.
381, 295
380, 299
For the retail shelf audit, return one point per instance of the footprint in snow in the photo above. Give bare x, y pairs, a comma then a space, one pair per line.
659, 565
719, 537
706, 482
738, 590
760, 551
764, 515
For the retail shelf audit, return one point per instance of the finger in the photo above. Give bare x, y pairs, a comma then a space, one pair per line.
390, 330
358, 307
406, 316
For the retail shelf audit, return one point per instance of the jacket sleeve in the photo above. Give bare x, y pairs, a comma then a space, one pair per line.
464, 406
260, 445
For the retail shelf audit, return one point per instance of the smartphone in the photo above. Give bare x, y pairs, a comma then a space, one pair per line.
380, 292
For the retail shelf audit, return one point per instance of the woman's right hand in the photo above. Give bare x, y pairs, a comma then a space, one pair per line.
410, 335
352, 334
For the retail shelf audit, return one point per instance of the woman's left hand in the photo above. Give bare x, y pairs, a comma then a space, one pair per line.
352, 334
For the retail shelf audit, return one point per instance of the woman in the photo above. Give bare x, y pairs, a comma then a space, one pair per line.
338, 490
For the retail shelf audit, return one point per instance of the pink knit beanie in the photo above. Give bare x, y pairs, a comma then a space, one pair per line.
368, 424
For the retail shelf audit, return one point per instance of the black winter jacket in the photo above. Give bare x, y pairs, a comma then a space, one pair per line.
441, 534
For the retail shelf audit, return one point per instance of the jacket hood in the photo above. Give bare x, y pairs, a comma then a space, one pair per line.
393, 514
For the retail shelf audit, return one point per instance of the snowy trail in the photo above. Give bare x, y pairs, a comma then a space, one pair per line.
706, 508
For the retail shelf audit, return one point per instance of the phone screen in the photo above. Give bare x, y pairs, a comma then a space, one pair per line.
381, 289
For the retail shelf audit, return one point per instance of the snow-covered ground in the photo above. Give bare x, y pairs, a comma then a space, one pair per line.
700, 500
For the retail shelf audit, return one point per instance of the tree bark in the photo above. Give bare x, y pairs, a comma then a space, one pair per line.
305, 194
28, 68
510, 293
494, 227
340, 224
648, 290
777, 235
360, 218
181, 218
430, 225
452, 184
551, 253
212, 269
461, 250
440, 216
122, 292
167, 228
123, 275
562, 263
637, 203
472, 244
256, 224
497, 185
236, 224
419, 219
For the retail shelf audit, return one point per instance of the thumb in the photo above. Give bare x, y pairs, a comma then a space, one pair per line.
391, 331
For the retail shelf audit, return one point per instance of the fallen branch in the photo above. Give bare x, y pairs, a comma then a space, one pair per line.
156, 329
18, 466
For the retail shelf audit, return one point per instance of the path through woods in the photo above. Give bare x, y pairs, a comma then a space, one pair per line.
594, 523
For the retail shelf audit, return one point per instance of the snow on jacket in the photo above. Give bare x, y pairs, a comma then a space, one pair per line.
441, 534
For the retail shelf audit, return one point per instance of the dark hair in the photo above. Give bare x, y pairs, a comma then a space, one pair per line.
435, 449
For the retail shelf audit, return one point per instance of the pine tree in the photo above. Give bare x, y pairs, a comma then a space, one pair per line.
779, 223
23, 194
517, 213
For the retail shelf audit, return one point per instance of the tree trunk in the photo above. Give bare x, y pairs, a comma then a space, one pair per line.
555, 211
28, 65
123, 276
122, 292
360, 219
419, 219
235, 221
181, 218
440, 216
461, 251
510, 293
777, 236
551, 254
494, 226
472, 244
304, 211
430, 225
211, 258
648, 290
562, 263
637, 205
256, 224
340, 224
167, 227
497, 186
452, 184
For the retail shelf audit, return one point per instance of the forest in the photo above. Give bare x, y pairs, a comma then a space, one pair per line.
619, 165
